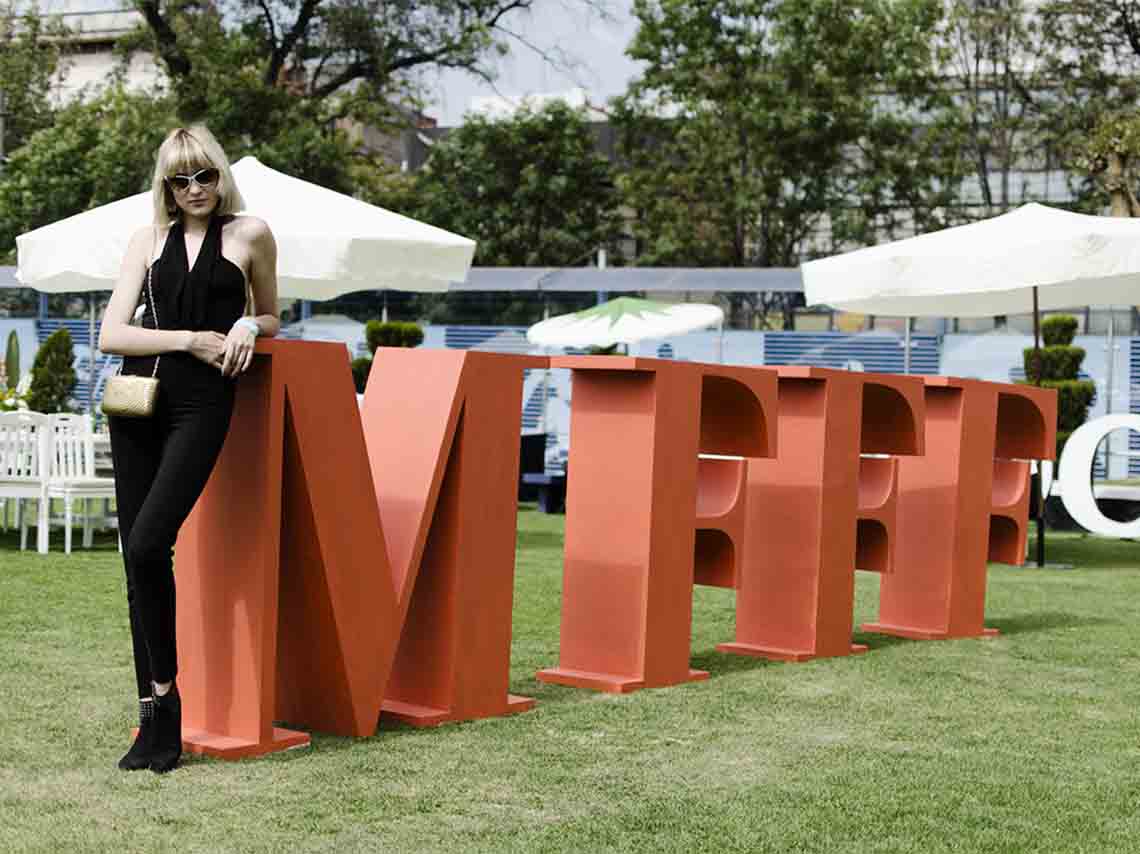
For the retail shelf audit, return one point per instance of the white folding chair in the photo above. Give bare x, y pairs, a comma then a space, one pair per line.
25, 440
72, 473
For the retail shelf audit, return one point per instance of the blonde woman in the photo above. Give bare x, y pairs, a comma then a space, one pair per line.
201, 261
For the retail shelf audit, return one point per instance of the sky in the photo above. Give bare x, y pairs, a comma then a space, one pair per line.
590, 50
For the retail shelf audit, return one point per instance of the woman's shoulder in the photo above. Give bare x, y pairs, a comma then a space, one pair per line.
148, 236
146, 232
248, 227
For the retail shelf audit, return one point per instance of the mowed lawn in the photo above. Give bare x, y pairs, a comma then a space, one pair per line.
1021, 743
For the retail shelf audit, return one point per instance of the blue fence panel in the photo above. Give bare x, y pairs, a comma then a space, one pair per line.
466, 337
877, 353
1134, 403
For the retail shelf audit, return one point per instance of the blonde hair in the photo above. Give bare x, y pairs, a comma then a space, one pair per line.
185, 151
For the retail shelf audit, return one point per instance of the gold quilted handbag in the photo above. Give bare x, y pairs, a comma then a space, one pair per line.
130, 396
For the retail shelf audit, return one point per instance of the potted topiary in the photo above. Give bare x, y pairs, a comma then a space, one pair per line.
1060, 365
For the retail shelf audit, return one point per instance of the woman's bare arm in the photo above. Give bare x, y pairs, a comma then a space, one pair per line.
117, 336
240, 341
263, 276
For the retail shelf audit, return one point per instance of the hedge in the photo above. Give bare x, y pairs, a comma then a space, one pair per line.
393, 334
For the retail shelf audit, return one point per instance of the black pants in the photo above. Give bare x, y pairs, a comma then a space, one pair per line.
162, 464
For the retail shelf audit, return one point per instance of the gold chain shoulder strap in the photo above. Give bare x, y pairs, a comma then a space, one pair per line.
150, 293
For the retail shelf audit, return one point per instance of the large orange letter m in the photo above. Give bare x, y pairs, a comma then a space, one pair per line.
343, 564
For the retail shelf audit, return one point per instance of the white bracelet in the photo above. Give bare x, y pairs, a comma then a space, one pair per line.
249, 323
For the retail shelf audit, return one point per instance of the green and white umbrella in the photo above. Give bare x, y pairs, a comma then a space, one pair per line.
623, 321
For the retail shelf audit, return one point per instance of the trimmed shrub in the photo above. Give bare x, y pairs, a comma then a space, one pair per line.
1057, 362
413, 335
1073, 400
1058, 330
53, 374
393, 334
1060, 365
12, 359
360, 369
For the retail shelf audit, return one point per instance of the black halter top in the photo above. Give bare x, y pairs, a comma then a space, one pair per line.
208, 297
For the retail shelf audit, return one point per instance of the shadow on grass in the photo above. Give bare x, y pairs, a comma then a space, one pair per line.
327, 743
1044, 621
1084, 552
724, 663
874, 641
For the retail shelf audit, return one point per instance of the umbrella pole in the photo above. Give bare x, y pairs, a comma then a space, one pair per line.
1038, 494
545, 382
1109, 384
91, 355
906, 346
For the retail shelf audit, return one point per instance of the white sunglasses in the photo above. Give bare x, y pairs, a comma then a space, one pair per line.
204, 178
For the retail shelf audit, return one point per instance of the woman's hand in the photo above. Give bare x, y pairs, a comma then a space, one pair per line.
208, 346
238, 350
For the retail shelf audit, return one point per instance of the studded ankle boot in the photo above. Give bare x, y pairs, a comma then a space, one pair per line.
167, 731
139, 756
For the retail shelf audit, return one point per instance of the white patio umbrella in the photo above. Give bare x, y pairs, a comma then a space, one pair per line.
986, 268
1032, 258
328, 243
625, 320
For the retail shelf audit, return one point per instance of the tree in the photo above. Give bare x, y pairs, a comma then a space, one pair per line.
764, 132
1111, 157
532, 190
78, 162
1092, 55
53, 374
995, 75
346, 57
29, 58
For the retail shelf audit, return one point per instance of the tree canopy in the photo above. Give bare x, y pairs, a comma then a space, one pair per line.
365, 54
532, 190
30, 56
762, 132
1091, 54
78, 162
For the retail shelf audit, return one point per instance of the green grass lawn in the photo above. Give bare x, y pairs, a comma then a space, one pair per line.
1025, 742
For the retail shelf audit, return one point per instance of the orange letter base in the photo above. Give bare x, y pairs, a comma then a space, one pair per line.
637, 427
340, 563
966, 500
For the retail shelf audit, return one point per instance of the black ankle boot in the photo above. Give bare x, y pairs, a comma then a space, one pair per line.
139, 756
167, 731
